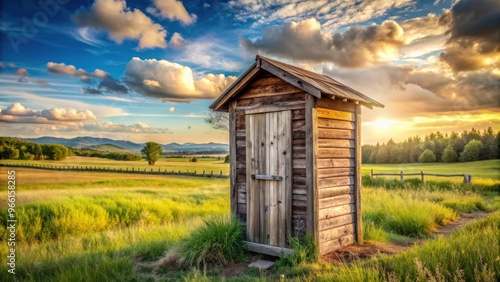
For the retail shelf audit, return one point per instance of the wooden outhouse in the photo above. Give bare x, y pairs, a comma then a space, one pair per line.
295, 156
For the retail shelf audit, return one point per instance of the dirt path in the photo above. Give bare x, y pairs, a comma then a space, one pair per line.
354, 253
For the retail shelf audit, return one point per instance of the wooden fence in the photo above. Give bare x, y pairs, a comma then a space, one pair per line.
467, 177
158, 171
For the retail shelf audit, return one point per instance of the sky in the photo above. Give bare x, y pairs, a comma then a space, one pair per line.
148, 70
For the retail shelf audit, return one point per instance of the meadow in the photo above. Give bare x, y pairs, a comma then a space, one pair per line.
114, 227
172, 163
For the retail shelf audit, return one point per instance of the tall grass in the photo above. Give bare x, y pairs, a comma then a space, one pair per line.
83, 215
402, 212
471, 254
218, 242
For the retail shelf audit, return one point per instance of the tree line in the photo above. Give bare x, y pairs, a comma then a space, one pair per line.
16, 149
470, 145
105, 155
12, 148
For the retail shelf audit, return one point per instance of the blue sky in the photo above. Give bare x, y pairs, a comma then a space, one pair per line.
148, 70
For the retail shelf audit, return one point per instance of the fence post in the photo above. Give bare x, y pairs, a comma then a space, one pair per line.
203, 172
467, 178
401, 176
371, 174
212, 173
220, 176
422, 176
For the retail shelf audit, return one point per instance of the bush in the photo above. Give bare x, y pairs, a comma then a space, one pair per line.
304, 251
449, 155
427, 157
218, 242
471, 151
194, 159
226, 159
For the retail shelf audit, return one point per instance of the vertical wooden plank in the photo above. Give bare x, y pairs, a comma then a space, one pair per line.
250, 169
233, 193
266, 185
279, 184
273, 170
311, 166
289, 177
357, 186
259, 194
285, 169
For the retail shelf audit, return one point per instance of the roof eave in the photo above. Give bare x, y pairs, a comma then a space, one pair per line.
235, 87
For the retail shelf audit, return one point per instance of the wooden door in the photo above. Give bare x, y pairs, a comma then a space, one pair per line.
269, 177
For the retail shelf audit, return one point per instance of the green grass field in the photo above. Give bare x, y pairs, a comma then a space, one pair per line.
169, 164
107, 226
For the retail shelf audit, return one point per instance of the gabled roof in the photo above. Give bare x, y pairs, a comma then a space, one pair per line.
313, 83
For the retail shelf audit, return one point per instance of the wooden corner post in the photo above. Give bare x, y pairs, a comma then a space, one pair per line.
311, 167
232, 158
357, 185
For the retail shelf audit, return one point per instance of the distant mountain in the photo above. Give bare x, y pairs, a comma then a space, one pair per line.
98, 143
87, 141
110, 148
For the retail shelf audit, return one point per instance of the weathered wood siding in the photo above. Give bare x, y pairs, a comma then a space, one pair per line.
265, 91
336, 175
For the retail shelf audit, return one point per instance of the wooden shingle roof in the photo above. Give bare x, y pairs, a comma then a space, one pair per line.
316, 84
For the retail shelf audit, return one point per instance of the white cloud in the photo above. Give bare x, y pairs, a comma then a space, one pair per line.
306, 40
120, 22
172, 10
17, 113
172, 82
67, 114
61, 68
209, 53
332, 14
177, 41
17, 109
115, 127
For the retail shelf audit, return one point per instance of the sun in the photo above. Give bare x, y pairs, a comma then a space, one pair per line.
384, 124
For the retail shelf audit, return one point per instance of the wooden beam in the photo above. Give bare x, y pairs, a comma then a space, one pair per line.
268, 249
290, 78
278, 107
311, 166
232, 158
235, 88
357, 184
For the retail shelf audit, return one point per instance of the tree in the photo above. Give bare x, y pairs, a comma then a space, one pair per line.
471, 151
449, 155
382, 155
194, 159
226, 159
152, 152
60, 152
218, 120
427, 157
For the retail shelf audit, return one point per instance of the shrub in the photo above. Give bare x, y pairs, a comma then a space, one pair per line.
371, 232
471, 151
218, 242
226, 159
194, 159
427, 157
304, 251
449, 155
